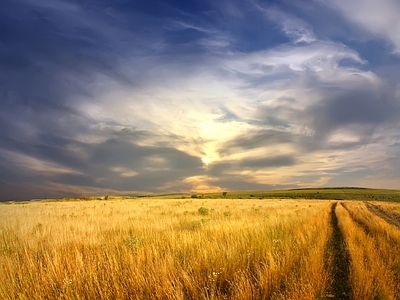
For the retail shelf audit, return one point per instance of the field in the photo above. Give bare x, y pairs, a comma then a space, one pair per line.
191, 248
344, 193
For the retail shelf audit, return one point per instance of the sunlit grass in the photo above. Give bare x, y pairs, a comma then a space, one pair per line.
191, 249
374, 247
142, 249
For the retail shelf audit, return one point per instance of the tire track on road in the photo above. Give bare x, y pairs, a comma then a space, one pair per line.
359, 222
340, 289
389, 218
371, 231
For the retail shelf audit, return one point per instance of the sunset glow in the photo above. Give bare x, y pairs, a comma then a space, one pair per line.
125, 97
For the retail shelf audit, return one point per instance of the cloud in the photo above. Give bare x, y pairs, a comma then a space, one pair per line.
270, 162
296, 30
255, 139
115, 164
379, 18
126, 97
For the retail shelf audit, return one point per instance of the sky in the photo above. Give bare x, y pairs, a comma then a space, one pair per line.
102, 97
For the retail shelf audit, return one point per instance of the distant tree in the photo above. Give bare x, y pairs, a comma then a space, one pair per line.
105, 197
224, 194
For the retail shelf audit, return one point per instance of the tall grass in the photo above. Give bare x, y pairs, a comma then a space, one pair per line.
194, 249
374, 248
393, 209
164, 249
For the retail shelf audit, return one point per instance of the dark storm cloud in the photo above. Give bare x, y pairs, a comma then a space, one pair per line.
361, 112
122, 153
269, 162
45, 61
106, 163
256, 139
103, 165
100, 95
274, 162
52, 50
237, 183
364, 107
50, 53
345, 118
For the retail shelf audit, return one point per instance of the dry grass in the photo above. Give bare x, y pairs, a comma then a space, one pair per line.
172, 249
393, 209
373, 245
158, 249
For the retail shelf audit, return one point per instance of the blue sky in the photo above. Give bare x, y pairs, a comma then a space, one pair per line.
113, 97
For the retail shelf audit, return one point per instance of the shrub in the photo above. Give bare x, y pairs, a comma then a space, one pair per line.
203, 211
194, 225
132, 242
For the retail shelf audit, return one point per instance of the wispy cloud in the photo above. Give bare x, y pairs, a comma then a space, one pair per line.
127, 97
296, 29
380, 18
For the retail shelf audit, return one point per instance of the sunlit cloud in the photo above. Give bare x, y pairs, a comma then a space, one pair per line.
231, 95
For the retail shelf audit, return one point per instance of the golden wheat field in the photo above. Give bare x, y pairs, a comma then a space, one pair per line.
200, 249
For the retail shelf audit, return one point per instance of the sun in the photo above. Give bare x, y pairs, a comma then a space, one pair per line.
206, 160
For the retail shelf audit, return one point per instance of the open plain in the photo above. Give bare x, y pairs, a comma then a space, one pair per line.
149, 248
